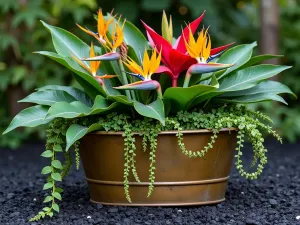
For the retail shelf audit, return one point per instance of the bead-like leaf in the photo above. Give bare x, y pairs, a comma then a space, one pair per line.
47, 154
48, 185
56, 195
46, 170
56, 164
56, 176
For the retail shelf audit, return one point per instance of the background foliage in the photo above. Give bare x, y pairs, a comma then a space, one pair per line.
21, 33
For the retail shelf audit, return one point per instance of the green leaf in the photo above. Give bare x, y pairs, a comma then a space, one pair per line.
57, 148
46, 209
154, 110
87, 81
46, 170
67, 110
48, 185
258, 59
47, 154
48, 199
181, 98
56, 195
260, 97
249, 77
78, 109
76, 93
30, 117
67, 44
121, 99
48, 97
55, 207
56, 164
76, 132
237, 55
56, 176
267, 86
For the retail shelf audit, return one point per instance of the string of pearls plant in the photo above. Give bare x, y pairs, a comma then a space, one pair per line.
248, 122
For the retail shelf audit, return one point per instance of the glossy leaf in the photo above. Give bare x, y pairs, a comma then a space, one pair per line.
88, 82
78, 109
76, 132
30, 117
267, 86
181, 98
154, 110
67, 44
237, 55
249, 77
258, 59
260, 97
48, 97
76, 93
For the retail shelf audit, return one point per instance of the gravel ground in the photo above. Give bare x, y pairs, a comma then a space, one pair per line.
272, 199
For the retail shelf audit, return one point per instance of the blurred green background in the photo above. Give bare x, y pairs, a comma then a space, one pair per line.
274, 24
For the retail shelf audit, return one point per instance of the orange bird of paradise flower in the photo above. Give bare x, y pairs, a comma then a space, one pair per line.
94, 66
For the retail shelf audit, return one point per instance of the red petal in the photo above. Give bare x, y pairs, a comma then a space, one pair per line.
164, 69
179, 45
180, 62
159, 42
219, 49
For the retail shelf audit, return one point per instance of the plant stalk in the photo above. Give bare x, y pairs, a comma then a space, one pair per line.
187, 79
129, 94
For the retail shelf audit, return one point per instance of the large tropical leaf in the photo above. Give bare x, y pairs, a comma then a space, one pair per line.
67, 44
267, 86
76, 132
78, 109
90, 85
154, 110
182, 98
249, 77
237, 55
79, 95
48, 97
30, 117
258, 59
259, 97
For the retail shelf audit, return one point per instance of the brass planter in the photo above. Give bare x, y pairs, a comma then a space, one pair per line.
180, 180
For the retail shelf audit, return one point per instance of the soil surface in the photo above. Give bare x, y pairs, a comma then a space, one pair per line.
272, 199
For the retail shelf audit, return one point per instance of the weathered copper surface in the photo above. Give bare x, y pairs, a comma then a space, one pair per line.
180, 180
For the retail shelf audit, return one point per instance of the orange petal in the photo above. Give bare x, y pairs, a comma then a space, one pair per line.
82, 64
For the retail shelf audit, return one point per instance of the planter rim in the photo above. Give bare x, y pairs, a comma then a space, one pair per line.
167, 132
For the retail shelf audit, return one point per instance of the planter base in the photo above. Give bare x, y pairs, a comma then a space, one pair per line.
180, 180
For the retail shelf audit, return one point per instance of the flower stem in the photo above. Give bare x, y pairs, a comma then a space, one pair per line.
129, 94
187, 79
174, 82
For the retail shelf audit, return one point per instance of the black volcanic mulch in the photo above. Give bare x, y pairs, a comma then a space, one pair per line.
272, 199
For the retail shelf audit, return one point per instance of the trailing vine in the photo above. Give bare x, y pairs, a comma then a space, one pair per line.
249, 126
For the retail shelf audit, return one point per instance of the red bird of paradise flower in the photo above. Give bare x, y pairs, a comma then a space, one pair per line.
93, 68
175, 56
144, 72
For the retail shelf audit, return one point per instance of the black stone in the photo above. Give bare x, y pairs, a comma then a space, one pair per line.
266, 201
